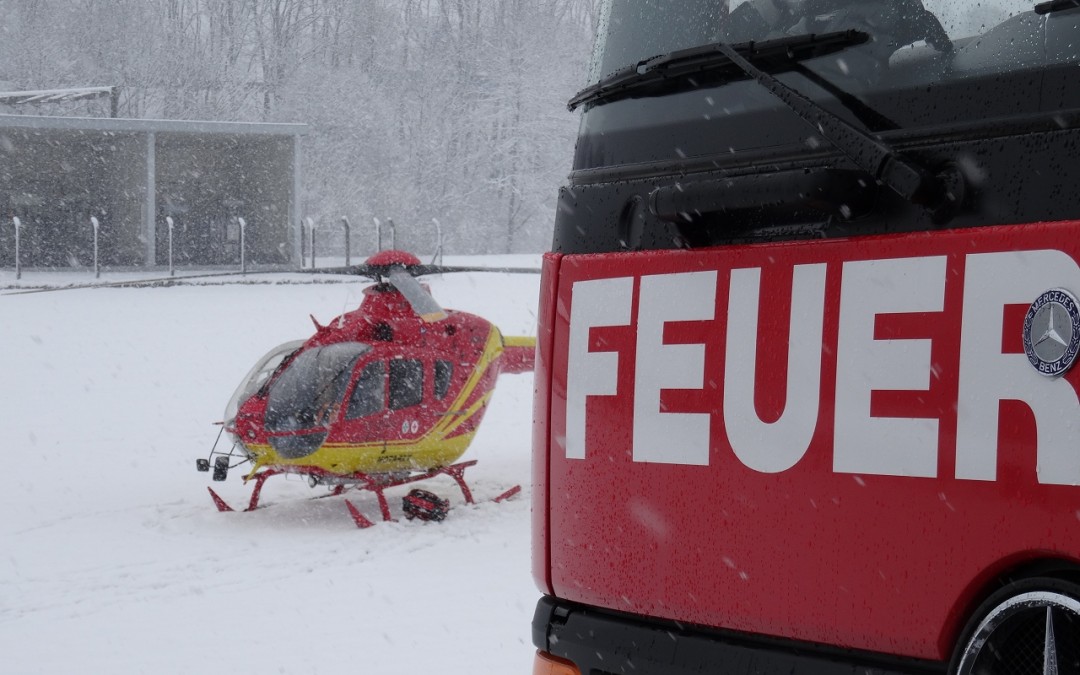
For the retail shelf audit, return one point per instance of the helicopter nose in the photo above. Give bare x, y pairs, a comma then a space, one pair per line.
295, 446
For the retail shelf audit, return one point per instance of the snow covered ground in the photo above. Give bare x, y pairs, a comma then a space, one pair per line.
113, 559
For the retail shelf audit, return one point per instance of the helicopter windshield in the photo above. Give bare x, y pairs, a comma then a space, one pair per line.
309, 392
257, 376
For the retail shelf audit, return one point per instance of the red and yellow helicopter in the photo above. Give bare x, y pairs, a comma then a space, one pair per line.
388, 394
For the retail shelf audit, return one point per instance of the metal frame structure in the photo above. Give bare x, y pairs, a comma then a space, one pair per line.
152, 147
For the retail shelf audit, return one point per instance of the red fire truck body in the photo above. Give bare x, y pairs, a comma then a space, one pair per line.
806, 399
872, 400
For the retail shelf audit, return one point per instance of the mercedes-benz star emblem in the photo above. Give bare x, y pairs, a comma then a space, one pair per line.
1052, 332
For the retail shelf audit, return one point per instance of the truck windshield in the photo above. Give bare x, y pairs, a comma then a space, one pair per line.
628, 28
920, 64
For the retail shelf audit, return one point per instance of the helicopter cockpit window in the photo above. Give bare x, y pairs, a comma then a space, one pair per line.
443, 372
309, 392
259, 374
406, 383
368, 395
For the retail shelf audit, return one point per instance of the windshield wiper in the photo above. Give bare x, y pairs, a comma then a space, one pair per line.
940, 194
709, 64
1056, 6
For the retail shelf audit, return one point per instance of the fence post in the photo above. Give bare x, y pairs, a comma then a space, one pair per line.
345, 224
303, 244
18, 264
311, 232
97, 263
393, 233
243, 232
169, 222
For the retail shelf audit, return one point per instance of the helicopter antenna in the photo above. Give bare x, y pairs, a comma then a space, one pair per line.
344, 306
438, 257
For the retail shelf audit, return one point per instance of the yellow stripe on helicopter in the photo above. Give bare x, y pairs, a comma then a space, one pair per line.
434, 448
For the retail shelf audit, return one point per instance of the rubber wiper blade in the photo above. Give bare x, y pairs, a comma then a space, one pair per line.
1056, 6
708, 64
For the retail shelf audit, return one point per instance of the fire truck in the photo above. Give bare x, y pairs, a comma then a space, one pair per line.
806, 397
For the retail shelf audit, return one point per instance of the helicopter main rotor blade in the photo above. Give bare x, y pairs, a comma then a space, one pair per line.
375, 271
421, 270
132, 283
369, 271
420, 300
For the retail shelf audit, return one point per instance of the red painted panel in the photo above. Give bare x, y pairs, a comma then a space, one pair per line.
876, 540
545, 338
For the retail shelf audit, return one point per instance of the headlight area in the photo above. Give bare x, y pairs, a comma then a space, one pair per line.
546, 664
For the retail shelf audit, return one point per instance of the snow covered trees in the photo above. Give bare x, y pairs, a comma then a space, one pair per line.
419, 109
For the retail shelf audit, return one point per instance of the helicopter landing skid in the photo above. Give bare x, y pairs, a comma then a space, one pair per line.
377, 483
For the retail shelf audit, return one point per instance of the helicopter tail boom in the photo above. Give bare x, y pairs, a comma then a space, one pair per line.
519, 354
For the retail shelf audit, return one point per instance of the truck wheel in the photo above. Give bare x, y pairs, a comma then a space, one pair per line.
1032, 626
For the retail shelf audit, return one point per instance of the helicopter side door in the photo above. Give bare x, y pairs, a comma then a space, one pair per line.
409, 418
365, 417
396, 402
386, 404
